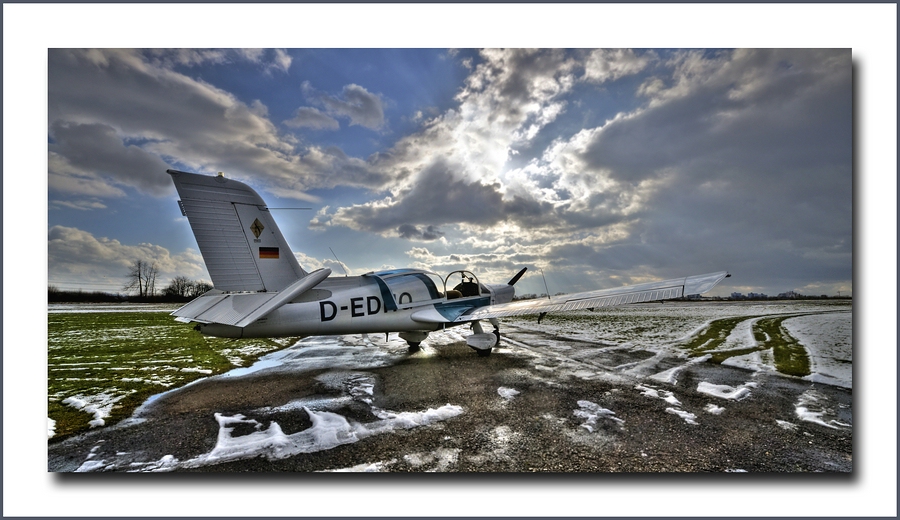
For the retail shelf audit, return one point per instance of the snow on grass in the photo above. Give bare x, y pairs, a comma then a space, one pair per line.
99, 405
828, 339
100, 353
51, 428
110, 307
197, 370
592, 413
735, 333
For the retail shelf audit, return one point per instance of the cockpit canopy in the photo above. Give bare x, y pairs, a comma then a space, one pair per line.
418, 286
465, 284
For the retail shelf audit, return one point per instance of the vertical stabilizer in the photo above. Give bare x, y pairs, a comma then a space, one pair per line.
243, 248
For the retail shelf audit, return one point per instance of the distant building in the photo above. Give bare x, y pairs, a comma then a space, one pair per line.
749, 296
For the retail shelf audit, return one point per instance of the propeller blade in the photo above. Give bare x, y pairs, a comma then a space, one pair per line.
517, 276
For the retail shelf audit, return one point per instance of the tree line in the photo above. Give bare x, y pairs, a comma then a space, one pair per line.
140, 286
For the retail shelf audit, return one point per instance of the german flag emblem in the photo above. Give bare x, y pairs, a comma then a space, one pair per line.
268, 252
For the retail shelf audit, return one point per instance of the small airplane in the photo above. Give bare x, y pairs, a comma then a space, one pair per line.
260, 290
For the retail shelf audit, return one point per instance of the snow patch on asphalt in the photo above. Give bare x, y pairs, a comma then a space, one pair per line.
592, 413
687, 416
813, 406
507, 393
726, 392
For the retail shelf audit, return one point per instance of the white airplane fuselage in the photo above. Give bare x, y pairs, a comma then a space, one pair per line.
367, 304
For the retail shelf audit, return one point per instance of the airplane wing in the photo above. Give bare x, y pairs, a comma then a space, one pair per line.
644, 292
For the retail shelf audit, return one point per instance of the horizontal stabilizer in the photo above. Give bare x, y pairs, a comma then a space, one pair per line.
242, 309
645, 292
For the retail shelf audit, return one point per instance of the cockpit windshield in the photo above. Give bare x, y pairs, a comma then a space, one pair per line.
463, 284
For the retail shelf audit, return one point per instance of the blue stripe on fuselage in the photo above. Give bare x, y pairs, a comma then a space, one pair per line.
386, 296
454, 309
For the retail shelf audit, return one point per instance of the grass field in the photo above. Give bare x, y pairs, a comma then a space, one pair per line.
105, 360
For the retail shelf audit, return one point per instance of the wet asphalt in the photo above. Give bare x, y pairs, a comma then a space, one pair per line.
551, 425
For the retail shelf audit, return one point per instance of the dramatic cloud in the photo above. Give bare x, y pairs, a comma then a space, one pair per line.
610, 165
96, 150
269, 60
149, 116
611, 64
726, 149
427, 234
77, 256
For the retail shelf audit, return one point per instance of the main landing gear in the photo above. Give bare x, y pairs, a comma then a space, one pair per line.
480, 341
483, 342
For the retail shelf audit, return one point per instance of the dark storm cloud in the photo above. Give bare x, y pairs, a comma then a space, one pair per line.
156, 111
98, 148
761, 112
741, 160
426, 234
438, 198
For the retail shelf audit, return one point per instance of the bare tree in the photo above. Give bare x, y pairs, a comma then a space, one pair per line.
179, 286
199, 287
184, 287
142, 276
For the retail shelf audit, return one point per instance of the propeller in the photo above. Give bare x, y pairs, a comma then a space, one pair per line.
517, 276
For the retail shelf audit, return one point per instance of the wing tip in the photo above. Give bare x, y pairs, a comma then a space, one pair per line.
702, 283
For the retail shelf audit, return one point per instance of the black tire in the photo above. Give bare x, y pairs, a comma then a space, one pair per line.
483, 353
414, 347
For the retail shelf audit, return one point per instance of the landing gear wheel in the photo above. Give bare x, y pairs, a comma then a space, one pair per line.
483, 353
413, 347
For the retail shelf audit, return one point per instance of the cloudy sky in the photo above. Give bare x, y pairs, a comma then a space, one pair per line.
601, 167
735, 227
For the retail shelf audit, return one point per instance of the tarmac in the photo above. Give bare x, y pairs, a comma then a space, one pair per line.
538, 403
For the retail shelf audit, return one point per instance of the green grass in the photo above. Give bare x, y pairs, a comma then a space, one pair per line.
712, 336
118, 359
789, 354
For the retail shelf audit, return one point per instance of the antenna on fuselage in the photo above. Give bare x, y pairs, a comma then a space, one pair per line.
346, 274
545, 284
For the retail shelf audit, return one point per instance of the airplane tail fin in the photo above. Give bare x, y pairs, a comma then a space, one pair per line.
241, 245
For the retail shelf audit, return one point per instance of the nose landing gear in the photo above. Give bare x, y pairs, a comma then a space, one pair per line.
414, 339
